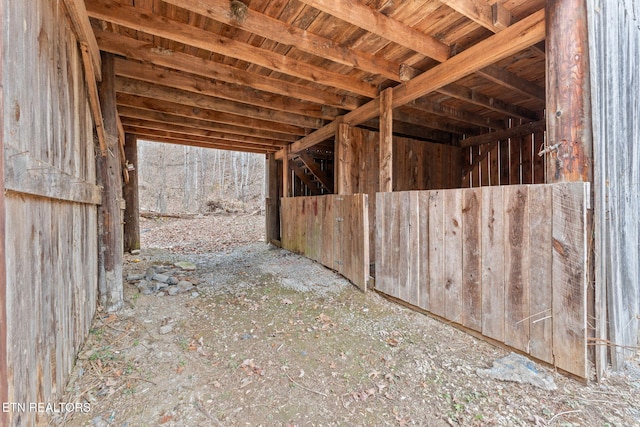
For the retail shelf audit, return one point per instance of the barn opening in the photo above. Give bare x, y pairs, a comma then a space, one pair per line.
395, 133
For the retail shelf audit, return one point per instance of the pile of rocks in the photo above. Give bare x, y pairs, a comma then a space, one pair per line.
166, 279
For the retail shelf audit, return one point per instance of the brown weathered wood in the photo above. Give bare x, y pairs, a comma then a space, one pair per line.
131, 197
472, 259
305, 179
540, 250
516, 265
29, 175
493, 273
315, 170
569, 277
382, 246
423, 250
142, 51
110, 230
82, 29
163, 93
345, 147
386, 141
192, 36
272, 203
513, 82
94, 100
286, 173
518, 36
453, 241
493, 17
568, 115
500, 135
375, 22
437, 254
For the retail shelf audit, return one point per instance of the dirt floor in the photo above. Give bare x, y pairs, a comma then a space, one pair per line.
268, 338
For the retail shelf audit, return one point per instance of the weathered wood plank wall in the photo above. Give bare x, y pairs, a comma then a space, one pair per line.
506, 261
614, 39
51, 197
331, 229
417, 165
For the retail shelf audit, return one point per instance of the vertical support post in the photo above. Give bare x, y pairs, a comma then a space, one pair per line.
568, 92
272, 203
344, 164
4, 374
286, 173
131, 197
109, 173
386, 140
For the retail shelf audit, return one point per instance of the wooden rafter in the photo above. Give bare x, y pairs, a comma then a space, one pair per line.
82, 29
192, 36
143, 51
164, 93
223, 91
189, 130
517, 37
133, 113
371, 20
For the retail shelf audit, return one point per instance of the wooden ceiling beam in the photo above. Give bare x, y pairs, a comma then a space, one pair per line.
494, 17
189, 35
363, 16
190, 143
456, 114
281, 32
187, 130
513, 82
205, 114
199, 85
132, 113
517, 37
463, 93
142, 51
487, 138
150, 133
420, 118
164, 93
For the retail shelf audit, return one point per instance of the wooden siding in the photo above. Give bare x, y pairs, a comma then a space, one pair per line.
614, 38
507, 262
332, 229
51, 197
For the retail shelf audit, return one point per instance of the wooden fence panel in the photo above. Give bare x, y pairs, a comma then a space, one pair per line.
509, 262
332, 229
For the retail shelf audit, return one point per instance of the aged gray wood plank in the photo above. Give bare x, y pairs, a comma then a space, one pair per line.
472, 258
453, 255
437, 255
569, 278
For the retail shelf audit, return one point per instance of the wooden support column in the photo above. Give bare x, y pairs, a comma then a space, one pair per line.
286, 173
108, 168
386, 140
569, 133
272, 204
343, 164
131, 197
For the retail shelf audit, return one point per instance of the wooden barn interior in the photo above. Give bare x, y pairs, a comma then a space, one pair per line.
440, 152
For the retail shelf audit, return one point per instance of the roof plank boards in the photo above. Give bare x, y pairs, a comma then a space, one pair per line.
283, 72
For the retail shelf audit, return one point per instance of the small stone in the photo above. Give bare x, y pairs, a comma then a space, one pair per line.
184, 286
161, 285
135, 252
185, 265
163, 278
146, 291
173, 280
135, 277
194, 295
142, 284
99, 422
150, 272
166, 329
173, 291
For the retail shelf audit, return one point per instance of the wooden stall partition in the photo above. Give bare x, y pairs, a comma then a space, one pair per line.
331, 229
507, 262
